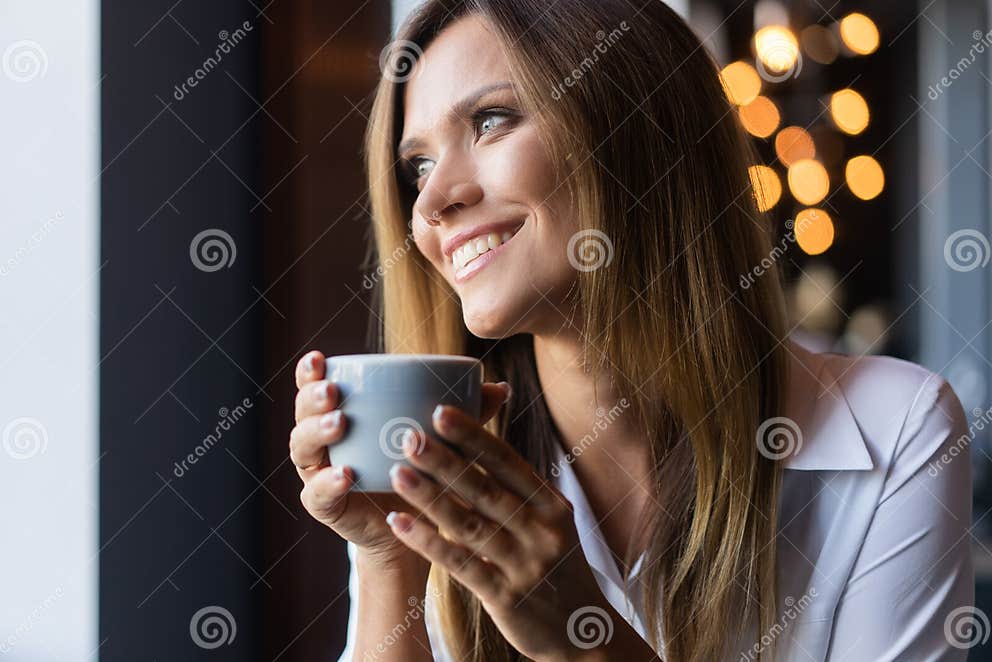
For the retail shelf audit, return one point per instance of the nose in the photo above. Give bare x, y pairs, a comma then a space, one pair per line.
449, 187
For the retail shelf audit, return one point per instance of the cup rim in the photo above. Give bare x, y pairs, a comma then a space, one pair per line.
389, 357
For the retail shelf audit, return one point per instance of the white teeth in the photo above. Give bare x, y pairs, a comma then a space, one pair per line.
476, 246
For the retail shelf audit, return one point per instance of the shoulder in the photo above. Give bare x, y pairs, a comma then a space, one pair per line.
904, 413
909, 411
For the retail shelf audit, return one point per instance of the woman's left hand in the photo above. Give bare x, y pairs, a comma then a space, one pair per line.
510, 537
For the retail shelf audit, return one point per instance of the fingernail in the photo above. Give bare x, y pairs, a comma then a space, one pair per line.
311, 363
399, 521
331, 419
337, 472
437, 412
404, 476
509, 391
320, 393
409, 443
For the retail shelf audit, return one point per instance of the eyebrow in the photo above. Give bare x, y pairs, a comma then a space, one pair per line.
457, 111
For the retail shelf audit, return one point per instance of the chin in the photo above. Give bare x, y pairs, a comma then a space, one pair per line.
492, 322
487, 329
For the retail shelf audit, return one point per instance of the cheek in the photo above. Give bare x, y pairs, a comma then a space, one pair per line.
530, 179
520, 169
427, 242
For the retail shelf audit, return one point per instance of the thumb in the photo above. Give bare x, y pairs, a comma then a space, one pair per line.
494, 396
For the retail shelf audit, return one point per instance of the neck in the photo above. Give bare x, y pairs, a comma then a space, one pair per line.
598, 432
588, 413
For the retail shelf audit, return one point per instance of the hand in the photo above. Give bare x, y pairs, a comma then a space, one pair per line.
509, 536
355, 516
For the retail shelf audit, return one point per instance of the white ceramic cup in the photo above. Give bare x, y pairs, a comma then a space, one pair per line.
382, 395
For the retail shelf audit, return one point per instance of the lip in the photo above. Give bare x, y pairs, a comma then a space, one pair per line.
479, 263
449, 245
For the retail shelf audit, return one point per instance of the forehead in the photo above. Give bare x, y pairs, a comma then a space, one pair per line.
464, 56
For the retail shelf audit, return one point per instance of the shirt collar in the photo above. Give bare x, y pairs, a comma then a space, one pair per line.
829, 437
830, 440
591, 539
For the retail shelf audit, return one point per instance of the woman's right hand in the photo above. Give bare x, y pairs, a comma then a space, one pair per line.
356, 516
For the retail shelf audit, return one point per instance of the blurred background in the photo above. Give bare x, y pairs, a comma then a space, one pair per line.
184, 216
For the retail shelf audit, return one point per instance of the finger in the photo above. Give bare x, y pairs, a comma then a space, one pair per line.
497, 457
316, 398
465, 526
325, 493
460, 475
309, 368
494, 396
482, 578
310, 437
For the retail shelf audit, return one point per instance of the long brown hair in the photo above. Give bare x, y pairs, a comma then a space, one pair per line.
699, 357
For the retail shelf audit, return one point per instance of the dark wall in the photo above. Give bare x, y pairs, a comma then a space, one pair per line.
180, 333
233, 230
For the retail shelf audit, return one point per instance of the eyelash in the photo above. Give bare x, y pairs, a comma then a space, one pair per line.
479, 116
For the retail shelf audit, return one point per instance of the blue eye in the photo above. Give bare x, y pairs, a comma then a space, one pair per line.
419, 168
415, 169
485, 121
489, 119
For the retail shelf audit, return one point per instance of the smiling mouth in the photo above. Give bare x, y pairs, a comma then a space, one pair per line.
476, 247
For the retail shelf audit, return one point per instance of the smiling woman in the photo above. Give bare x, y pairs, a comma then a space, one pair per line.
628, 194
586, 242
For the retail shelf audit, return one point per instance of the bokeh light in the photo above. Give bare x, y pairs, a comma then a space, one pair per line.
741, 82
849, 111
760, 117
814, 230
808, 181
766, 185
864, 177
793, 143
859, 33
818, 298
820, 44
777, 48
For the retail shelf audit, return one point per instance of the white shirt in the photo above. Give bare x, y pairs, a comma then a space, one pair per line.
873, 553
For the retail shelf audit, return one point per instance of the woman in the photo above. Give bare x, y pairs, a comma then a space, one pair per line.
659, 469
